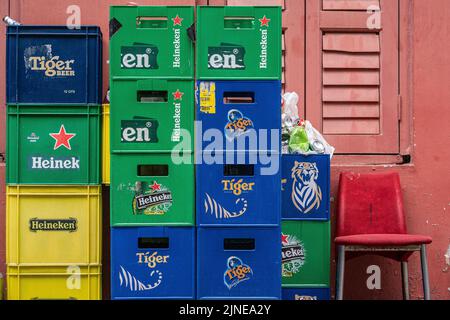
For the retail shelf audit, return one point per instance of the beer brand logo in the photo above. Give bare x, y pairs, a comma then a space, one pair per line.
216, 209
55, 163
176, 133
139, 56
129, 281
33, 137
237, 124
306, 193
62, 138
263, 42
139, 130
236, 272
41, 58
226, 56
237, 187
301, 298
176, 62
69, 225
292, 255
151, 260
151, 200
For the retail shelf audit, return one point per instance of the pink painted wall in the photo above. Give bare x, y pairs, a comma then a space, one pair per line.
426, 182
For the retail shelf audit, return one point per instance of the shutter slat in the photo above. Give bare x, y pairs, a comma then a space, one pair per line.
351, 77
354, 126
334, 60
359, 5
351, 110
351, 42
350, 94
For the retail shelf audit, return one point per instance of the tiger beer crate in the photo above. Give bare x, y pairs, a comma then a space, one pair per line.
106, 145
153, 263
152, 115
240, 109
151, 41
238, 43
53, 225
306, 187
53, 144
54, 282
305, 254
44, 68
152, 190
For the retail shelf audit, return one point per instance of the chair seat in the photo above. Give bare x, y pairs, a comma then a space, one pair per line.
383, 240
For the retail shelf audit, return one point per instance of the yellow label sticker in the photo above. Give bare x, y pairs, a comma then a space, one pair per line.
208, 97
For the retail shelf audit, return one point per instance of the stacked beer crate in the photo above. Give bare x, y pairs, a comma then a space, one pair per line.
152, 169
238, 189
53, 162
306, 227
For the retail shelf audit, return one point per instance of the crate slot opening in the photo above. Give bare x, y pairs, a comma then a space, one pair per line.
151, 96
153, 243
239, 244
153, 170
151, 22
238, 97
239, 22
239, 170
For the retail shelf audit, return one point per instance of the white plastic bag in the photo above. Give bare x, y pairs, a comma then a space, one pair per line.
314, 135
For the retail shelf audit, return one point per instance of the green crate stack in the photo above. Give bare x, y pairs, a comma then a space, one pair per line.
151, 109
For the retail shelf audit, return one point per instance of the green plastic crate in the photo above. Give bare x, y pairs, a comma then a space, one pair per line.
306, 253
53, 145
151, 190
151, 41
151, 115
239, 42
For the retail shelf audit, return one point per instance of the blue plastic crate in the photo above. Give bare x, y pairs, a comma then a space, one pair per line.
239, 263
153, 263
239, 110
238, 192
306, 187
53, 65
306, 294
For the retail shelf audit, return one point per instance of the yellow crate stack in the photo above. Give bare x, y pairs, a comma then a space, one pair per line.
105, 145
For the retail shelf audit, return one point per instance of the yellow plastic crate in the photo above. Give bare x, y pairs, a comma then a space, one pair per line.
105, 145
54, 283
53, 225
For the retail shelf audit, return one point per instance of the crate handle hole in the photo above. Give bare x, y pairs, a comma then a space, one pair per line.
153, 170
240, 244
239, 170
238, 97
153, 243
151, 96
151, 22
239, 22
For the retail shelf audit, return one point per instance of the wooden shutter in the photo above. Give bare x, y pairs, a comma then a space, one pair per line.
352, 76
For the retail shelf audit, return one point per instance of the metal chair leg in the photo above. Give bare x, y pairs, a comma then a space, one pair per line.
340, 269
425, 279
405, 284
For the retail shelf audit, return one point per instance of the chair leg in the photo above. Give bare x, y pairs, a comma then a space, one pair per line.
405, 284
425, 279
340, 269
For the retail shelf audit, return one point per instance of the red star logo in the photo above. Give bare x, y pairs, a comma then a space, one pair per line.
155, 186
178, 95
177, 21
284, 239
264, 21
62, 138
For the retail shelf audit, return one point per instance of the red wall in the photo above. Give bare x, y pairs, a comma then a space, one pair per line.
426, 182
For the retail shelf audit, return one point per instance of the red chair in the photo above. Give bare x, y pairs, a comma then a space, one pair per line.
371, 220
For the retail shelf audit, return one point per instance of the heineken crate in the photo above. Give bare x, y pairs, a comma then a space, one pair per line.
153, 263
238, 42
151, 41
151, 115
306, 253
44, 68
54, 282
230, 192
306, 187
152, 190
238, 263
53, 145
49, 225
306, 294
248, 112
106, 147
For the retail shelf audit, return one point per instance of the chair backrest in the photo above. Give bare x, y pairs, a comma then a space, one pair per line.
370, 204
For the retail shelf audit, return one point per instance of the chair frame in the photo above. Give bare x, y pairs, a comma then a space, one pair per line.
340, 268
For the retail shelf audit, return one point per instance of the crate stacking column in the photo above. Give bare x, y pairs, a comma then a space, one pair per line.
238, 196
306, 227
53, 223
152, 184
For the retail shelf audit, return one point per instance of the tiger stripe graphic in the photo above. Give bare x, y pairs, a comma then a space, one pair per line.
214, 208
306, 193
129, 281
